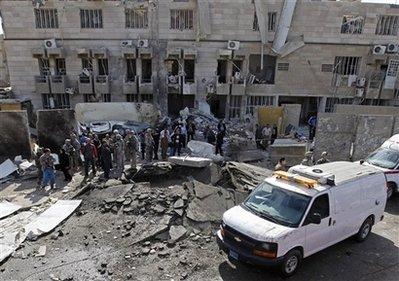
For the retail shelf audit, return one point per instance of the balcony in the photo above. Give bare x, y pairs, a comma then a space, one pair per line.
238, 89
101, 84
85, 84
42, 84
58, 84
129, 85
146, 86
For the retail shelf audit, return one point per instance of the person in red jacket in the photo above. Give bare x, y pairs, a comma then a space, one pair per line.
90, 155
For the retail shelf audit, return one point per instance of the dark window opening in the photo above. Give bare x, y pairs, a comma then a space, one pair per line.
55, 101
87, 63
146, 67
44, 67
60, 68
102, 67
189, 70
222, 71
320, 206
130, 70
259, 75
132, 98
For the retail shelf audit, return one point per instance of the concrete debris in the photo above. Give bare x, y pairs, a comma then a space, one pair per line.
7, 208
177, 232
151, 170
7, 168
204, 149
41, 252
243, 176
178, 204
242, 149
196, 162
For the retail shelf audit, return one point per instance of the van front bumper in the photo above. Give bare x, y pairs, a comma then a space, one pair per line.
243, 256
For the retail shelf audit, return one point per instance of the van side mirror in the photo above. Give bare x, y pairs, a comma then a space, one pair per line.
315, 218
361, 162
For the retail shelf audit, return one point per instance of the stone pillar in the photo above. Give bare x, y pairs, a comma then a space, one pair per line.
322, 105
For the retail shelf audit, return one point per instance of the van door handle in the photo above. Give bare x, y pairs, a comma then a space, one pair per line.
329, 222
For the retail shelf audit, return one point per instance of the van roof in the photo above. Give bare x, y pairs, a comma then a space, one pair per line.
342, 171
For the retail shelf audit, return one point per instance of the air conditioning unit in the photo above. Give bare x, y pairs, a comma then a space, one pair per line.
361, 82
70, 91
142, 43
359, 92
50, 43
210, 89
379, 50
233, 45
126, 43
392, 48
86, 72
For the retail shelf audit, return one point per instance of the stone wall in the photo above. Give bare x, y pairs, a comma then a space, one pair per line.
54, 126
366, 109
14, 135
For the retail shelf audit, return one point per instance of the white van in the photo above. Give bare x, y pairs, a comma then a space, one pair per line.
386, 159
295, 214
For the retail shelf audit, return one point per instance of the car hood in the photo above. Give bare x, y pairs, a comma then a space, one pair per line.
377, 167
253, 226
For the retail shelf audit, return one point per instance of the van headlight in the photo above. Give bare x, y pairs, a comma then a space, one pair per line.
266, 250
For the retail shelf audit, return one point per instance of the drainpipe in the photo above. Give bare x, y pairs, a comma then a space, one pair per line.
284, 24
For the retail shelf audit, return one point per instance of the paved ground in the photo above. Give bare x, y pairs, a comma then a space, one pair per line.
91, 238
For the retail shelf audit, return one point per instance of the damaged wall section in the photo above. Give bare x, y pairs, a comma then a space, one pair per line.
14, 134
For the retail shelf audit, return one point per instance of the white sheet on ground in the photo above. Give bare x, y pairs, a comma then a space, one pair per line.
7, 208
7, 168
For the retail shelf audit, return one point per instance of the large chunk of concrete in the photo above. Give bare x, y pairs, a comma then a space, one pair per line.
291, 149
188, 161
54, 126
177, 232
7, 208
203, 149
14, 134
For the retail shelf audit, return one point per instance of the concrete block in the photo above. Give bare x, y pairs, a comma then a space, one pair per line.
14, 134
197, 162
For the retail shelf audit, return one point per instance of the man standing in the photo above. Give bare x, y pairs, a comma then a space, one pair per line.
119, 153
258, 135
155, 137
132, 146
64, 159
69, 150
222, 127
47, 163
89, 154
267, 133
312, 127
176, 141
165, 138
149, 146
219, 143
39, 152
308, 160
76, 154
281, 165
323, 159
191, 131
106, 159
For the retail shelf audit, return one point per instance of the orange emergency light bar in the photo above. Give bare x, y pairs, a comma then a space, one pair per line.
309, 183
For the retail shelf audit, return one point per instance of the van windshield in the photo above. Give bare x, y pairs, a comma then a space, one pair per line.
278, 205
384, 158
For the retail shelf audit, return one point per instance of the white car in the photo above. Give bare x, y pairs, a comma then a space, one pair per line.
386, 159
295, 214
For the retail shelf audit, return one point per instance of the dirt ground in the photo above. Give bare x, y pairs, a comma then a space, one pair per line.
94, 245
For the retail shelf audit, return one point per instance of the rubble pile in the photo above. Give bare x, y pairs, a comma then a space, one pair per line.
242, 149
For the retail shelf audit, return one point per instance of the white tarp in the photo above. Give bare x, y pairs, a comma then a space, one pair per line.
52, 217
7, 208
7, 168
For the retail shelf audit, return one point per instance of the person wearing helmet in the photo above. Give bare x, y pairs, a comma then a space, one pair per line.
308, 160
323, 159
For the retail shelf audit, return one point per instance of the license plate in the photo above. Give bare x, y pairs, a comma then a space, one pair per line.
234, 255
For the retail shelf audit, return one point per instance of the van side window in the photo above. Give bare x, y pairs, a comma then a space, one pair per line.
320, 205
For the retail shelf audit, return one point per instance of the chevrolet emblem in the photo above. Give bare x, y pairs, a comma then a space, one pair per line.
237, 239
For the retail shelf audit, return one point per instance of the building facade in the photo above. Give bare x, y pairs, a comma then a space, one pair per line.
232, 55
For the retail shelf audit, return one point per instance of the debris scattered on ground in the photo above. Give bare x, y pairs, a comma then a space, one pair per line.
7, 208
187, 161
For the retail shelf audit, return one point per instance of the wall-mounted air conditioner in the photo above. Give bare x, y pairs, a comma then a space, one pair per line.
359, 92
233, 45
126, 43
70, 91
392, 48
360, 82
379, 50
50, 44
142, 43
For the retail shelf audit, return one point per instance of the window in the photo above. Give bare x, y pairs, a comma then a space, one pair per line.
271, 23
347, 65
283, 66
189, 70
255, 24
44, 67
235, 106
146, 69
87, 63
46, 18
91, 19
331, 102
387, 25
147, 98
259, 75
237, 67
60, 68
132, 98
321, 205
102, 67
352, 24
181, 19
221, 71
130, 70
51, 101
254, 101
327, 67
136, 18
93, 98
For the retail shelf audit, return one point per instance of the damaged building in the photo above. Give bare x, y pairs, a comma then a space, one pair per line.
226, 56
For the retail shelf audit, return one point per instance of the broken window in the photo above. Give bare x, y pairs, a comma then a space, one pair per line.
347, 65
55, 101
146, 70
271, 22
221, 71
235, 106
60, 68
136, 18
46, 18
91, 18
352, 24
87, 63
327, 67
44, 67
237, 71
189, 70
181, 19
254, 101
255, 24
259, 75
102, 67
283, 66
387, 25
130, 70
132, 98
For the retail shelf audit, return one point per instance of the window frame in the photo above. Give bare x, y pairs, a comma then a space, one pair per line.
187, 21
310, 211
46, 18
133, 20
88, 16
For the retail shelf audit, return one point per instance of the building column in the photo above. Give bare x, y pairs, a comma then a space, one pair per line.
275, 100
322, 105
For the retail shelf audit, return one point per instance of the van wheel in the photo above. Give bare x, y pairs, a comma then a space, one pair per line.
291, 263
364, 230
